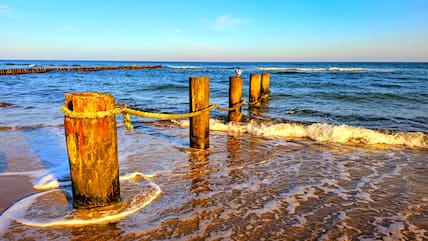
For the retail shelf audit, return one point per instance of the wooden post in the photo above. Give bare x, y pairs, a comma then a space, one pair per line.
92, 151
235, 96
265, 87
199, 95
255, 89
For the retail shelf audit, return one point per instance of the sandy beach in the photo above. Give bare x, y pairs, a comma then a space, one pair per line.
17, 157
14, 188
214, 120
329, 157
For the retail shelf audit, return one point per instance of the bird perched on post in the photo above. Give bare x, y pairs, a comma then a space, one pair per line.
238, 72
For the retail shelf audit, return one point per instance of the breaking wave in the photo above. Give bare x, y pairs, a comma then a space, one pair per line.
182, 67
330, 69
337, 69
293, 69
322, 132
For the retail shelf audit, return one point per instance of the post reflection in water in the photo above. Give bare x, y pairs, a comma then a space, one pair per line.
234, 157
253, 112
199, 171
97, 232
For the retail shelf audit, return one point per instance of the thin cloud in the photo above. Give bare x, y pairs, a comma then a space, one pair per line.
8, 12
228, 22
5, 9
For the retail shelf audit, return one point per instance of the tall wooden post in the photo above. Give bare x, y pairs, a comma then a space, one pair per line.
255, 89
199, 95
265, 86
235, 96
92, 151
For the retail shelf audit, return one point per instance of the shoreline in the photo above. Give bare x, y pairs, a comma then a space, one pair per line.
17, 187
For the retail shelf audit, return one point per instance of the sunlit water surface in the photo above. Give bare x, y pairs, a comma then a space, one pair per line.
312, 165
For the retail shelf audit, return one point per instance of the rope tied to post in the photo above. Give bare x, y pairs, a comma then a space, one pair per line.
89, 115
234, 107
255, 102
121, 108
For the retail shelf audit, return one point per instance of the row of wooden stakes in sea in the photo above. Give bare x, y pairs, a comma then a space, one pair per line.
96, 183
200, 98
74, 68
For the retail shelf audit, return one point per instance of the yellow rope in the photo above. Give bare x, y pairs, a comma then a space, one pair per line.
265, 96
234, 107
127, 121
126, 112
165, 115
90, 115
254, 102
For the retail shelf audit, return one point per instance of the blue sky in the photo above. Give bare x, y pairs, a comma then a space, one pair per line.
221, 30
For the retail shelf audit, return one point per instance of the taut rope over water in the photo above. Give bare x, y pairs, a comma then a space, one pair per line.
126, 112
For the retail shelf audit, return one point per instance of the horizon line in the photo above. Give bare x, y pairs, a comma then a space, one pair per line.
226, 61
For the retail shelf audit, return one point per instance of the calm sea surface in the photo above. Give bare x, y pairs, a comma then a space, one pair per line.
340, 152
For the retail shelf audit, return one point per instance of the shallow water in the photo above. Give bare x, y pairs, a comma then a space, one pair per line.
296, 172
243, 187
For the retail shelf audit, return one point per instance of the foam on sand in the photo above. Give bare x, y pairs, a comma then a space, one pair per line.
65, 215
45, 179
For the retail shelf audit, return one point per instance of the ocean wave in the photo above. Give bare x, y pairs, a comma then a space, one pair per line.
322, 132
166, 86
292, 69
18, 65
182, 67
300, 70
337, 69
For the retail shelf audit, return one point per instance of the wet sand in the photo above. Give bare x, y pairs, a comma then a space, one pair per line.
16, 155
14, 188
244, 187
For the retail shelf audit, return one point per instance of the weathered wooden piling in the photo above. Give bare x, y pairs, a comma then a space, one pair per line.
255, 86
199, 95
92, 151
235, 96
265, 87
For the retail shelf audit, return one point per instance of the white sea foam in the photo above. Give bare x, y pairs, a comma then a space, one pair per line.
19, 209
297, 194
106, 217
133, 175
51, 179
337, 69
329, 69
394, 227
301, 220
45, 179
364, 197
183, 67
321, 132
393, 232
292, 69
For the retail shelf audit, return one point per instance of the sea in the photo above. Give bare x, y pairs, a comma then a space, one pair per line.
338, 152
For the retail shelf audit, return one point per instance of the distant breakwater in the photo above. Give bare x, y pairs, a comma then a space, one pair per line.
79, 68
